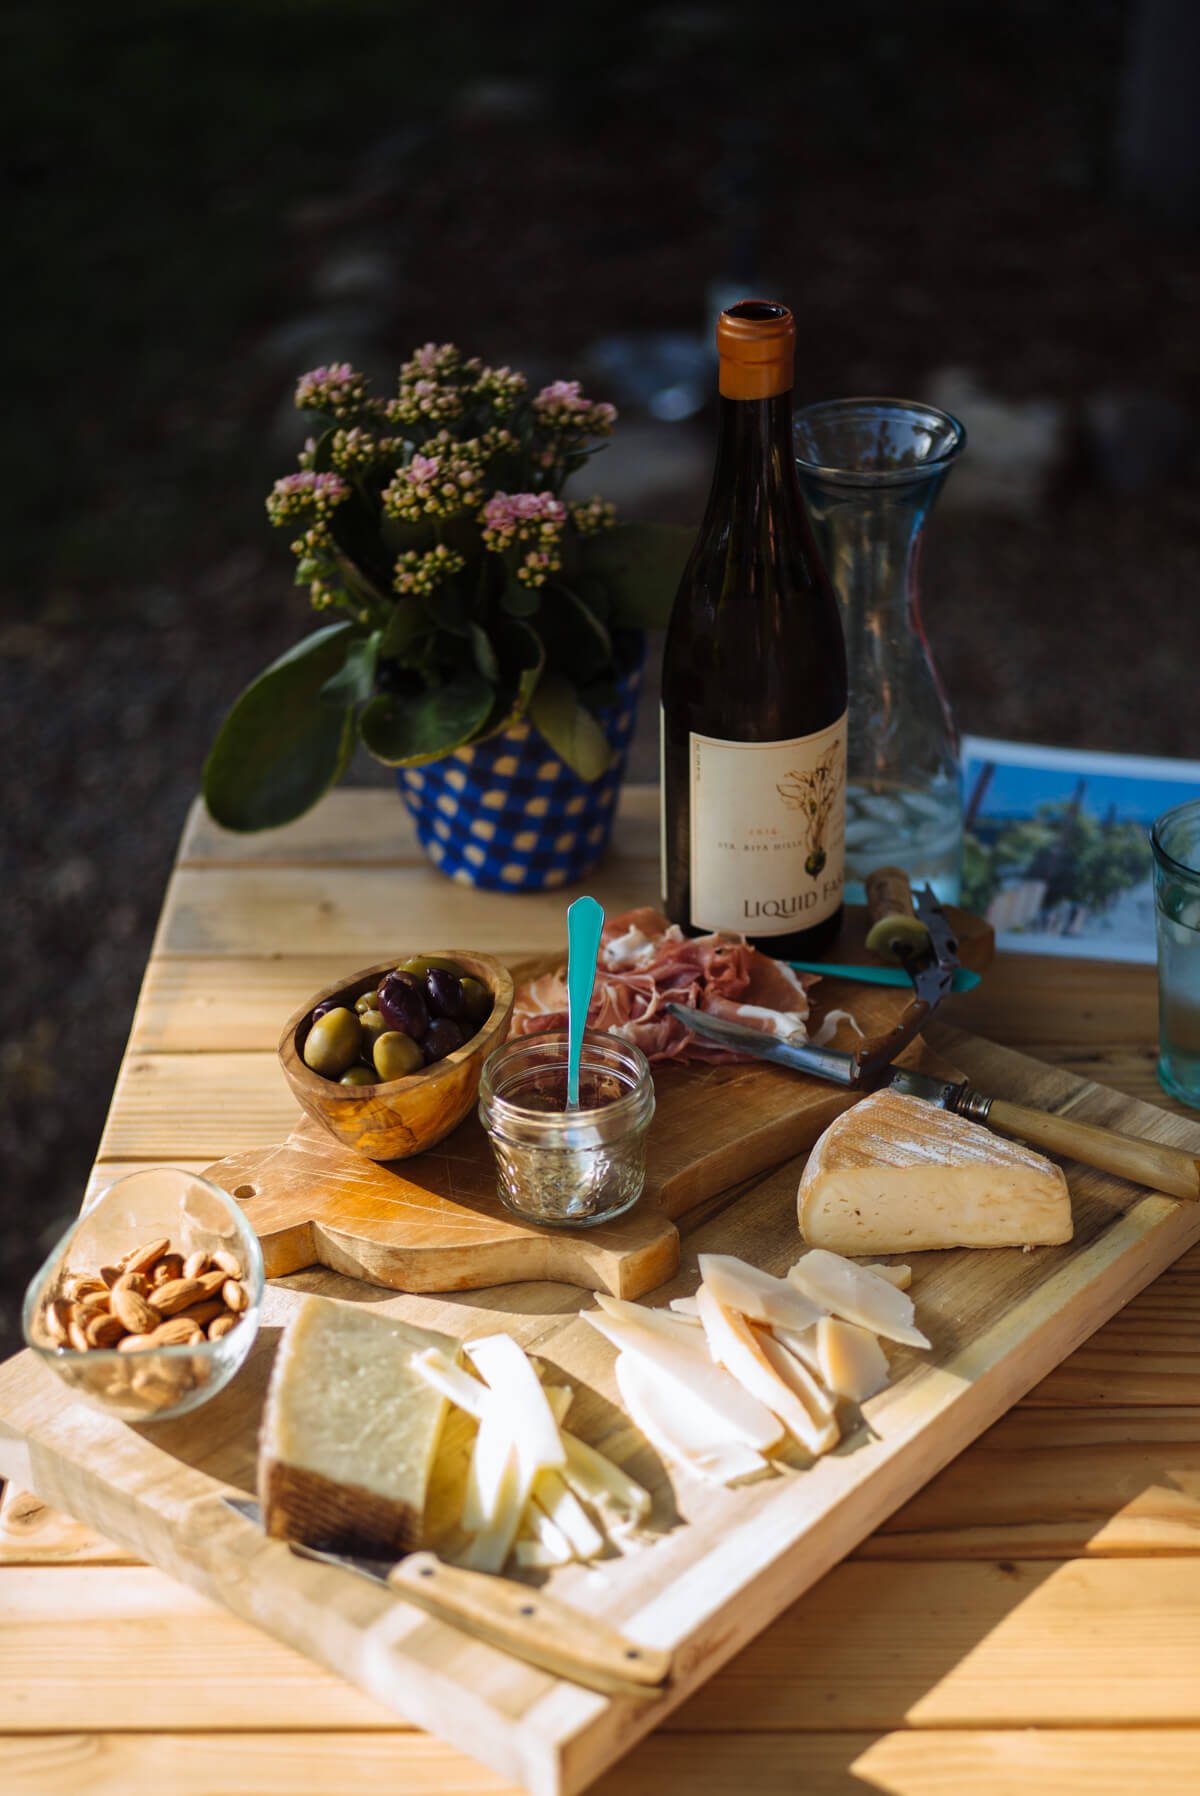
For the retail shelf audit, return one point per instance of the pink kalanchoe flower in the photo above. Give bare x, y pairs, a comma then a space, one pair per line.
303, 495
337, 389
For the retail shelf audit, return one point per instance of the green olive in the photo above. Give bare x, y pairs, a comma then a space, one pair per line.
333, 1043
421, 963
397, 1055
372, 1026
478, 1000
368, 1001
359, 1075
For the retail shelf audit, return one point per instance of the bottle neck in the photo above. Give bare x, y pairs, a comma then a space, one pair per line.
754, 450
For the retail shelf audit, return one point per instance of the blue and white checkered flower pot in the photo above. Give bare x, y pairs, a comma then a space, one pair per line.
506, 814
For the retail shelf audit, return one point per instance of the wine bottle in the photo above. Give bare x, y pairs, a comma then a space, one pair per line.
753, 727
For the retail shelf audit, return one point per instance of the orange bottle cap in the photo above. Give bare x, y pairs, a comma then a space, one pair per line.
756, 341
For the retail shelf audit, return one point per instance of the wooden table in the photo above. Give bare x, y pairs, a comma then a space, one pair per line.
1030, 1622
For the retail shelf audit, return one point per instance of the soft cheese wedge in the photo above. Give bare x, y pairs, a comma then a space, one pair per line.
896, 1175
350, 1430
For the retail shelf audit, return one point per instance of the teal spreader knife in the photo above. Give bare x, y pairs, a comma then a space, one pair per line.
964, 980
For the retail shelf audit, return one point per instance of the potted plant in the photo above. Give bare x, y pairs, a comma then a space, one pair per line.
488, 639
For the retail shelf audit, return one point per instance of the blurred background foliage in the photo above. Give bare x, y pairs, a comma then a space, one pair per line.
202, 200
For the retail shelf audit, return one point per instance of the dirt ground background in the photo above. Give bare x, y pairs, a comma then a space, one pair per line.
201, 202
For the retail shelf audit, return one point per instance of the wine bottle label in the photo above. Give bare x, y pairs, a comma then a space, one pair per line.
768, 824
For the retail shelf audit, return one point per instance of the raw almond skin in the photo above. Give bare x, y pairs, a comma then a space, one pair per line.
202, 1313
105, 1331
57, 1317
133, 1311
110, 1275
170, 1266
228, 1262
177, 1294
83, 1284
130, 1281
195, 1264
179, 1331
211, 1282
236, 1296
134, 1343
142, 1258
222, 1325
76, 1335
91, 1306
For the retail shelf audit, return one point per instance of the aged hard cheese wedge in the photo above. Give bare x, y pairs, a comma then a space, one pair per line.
896, 1175
350, 1430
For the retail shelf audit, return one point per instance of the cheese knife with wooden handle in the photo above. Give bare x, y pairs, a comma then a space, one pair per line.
1151, 1163
527, 1623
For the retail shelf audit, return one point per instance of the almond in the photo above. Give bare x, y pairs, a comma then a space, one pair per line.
105, 1331
130, 1281
170, 1266
134, 1343
176, 1294
202, 1313
211, 1282
221, 1325
236, 1296
177, 1332
132, 1310
142, 1258
57, 1317
228, 1262
76, 1335
83, 1284
94, 1304
195, 1264
110, 1275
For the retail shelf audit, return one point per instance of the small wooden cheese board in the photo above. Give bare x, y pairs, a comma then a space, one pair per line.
435, 1223
717, 1565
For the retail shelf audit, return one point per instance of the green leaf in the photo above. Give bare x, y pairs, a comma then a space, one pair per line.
518, 600
406, 626
570, 730
322, 460
577, 643
485, 654
641, 566
280, 748
354, 681
522, 659
398, 536
404, 730
355, 530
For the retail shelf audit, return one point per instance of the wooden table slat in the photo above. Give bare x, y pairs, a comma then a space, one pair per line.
1092, 1762
1048, 1576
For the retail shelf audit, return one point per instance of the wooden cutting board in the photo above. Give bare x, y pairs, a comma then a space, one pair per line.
717, 1565
435, 1223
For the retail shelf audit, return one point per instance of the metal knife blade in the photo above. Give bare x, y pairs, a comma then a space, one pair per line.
798, 1055
527, 1623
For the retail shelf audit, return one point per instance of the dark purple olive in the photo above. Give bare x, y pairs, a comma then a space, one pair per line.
444, 1036
444, 994
324, 1009
402, 1006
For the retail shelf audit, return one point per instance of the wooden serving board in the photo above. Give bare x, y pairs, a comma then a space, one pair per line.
435, 1223
718, 1564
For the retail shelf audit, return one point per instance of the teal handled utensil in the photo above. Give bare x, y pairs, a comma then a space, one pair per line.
964, 980
585, 920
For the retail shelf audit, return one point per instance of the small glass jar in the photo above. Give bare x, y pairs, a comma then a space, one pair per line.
568, 1168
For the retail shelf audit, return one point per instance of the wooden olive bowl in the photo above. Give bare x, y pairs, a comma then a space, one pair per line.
399, 1117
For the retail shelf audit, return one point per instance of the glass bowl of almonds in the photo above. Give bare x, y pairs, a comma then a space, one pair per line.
150, 1302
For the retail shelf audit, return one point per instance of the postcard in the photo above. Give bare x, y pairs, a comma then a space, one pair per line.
1056, 850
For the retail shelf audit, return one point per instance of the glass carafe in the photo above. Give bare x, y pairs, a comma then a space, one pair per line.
871, 470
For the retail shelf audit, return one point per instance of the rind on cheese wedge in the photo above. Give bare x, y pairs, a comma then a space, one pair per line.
897, 1175
350, 1430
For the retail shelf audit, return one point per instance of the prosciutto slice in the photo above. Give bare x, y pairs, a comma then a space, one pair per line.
647, 963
